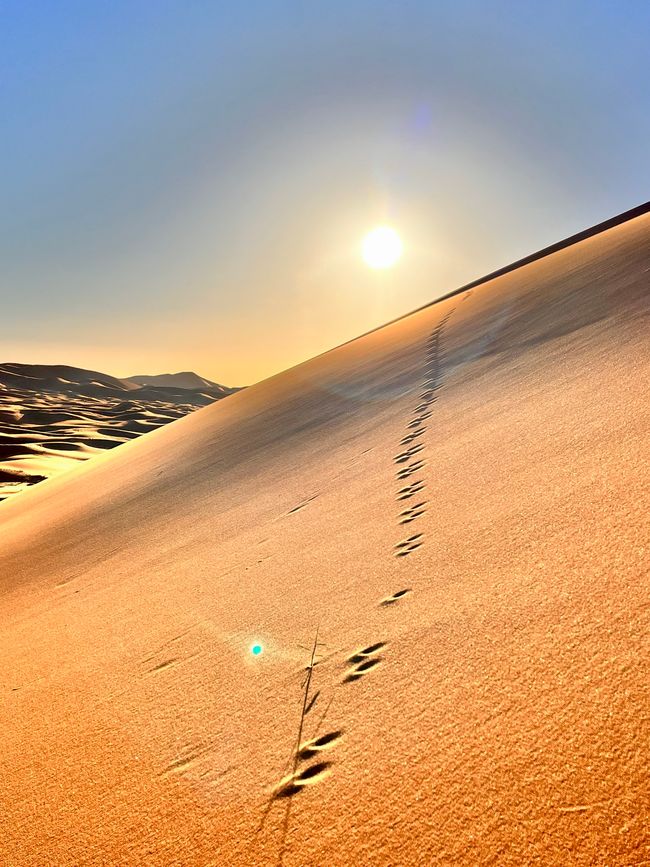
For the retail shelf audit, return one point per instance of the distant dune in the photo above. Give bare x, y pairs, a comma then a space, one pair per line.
436, 539
187, 379
48, 377
53, 416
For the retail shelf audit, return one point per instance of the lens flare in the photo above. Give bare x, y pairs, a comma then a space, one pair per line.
256, 649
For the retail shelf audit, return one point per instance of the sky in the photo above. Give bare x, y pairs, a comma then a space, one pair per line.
185, 185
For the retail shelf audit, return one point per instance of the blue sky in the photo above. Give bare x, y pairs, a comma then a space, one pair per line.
185, 184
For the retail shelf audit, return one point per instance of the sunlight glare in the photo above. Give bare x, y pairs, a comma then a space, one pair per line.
382, 247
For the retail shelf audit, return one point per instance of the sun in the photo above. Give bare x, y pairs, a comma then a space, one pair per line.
382, 247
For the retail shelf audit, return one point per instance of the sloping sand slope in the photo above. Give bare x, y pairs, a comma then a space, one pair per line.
457, 502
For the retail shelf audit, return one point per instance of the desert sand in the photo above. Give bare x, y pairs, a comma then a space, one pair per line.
53, 416
456, 505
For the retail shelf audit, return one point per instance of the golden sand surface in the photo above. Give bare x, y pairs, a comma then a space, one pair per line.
453, 507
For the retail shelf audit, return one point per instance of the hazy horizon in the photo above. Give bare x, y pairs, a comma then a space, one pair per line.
186, 187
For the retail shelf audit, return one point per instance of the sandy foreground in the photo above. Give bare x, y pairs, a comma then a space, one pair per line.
457, 502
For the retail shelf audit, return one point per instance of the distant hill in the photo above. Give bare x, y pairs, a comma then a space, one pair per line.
59, 377
174, 387
187, 379
53, 416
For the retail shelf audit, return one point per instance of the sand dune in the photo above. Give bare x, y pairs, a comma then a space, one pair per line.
450, 513
52, 417
186, 379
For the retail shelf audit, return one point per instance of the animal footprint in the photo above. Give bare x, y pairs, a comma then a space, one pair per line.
409, 470
410, 490
413, 435
363, 661
294, 783
402, 549
412, 513
418, 421
361, 669
409, 453
312, 748
389, 600
366, 652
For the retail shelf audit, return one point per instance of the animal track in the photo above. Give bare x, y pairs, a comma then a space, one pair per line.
416, 427
411, 436
367, 652
363, 661
410, 490
299, 778
368, 658
402, 457
419, 421
409, 470
315, 746
412, 513
294, 783
403, 549
361, 669
389, 600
